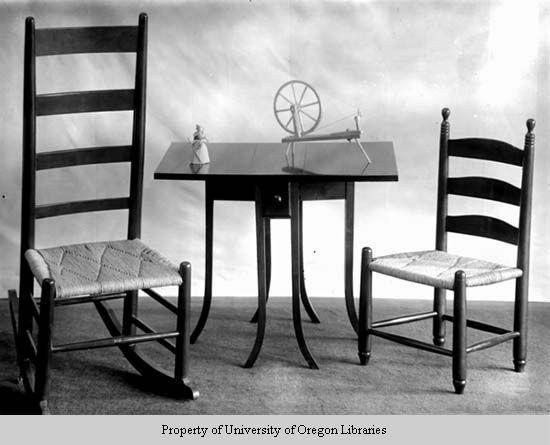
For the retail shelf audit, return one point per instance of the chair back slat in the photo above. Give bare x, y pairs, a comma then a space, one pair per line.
99, 39
484, 226
84, 102
83, 156
487, 149
485, 188
91, 205
57, 41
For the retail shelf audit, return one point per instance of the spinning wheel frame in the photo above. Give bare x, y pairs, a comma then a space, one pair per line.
294, 125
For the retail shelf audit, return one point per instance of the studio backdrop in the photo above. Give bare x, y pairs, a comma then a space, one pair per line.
219, 64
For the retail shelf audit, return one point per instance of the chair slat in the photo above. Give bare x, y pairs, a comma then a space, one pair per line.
487, 149
92, 205
104, 39
83, 156
486, 188
84, 102
485, 226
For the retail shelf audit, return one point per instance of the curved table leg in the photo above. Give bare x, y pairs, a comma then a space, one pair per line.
303, 295
305, 300
262, 281
207, 301
267, 230
296, 247
348, 253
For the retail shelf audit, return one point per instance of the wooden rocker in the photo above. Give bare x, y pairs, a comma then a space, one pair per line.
446, 271
98, 271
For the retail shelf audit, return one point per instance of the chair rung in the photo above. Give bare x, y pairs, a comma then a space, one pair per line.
114, 341
31, 343
411, 342
148, 329
155, 296
87, 299
404, 319
484, 344
480, 326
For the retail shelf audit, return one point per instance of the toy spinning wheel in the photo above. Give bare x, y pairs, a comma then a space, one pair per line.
297, 107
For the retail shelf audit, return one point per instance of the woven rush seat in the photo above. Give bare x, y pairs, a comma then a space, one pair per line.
437, 268
102, 267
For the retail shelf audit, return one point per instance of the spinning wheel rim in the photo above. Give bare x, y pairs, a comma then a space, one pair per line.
304, 88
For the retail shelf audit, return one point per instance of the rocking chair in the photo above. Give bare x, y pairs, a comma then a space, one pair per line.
98, 271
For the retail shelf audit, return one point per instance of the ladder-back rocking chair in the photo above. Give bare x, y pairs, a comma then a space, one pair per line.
98, 271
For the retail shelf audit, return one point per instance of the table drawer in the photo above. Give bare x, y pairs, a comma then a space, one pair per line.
276, 200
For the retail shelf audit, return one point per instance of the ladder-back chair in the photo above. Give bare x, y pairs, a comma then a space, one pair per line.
445, 271
97, 271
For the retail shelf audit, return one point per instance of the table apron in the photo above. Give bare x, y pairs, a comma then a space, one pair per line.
275, 194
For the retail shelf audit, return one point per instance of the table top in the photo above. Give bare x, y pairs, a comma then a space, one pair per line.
315, 161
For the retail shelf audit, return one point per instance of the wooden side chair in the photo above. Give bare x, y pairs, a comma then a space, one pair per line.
97, 271
445, 271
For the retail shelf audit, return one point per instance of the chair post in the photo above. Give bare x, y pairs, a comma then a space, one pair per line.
138, 136
440, 303
129, 311
181, 368
28, 177
522, 283
44, 346
365, 307
459, 332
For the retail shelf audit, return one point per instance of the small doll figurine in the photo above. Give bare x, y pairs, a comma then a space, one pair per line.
200, 150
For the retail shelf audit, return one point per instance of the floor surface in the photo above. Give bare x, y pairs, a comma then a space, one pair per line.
398, 380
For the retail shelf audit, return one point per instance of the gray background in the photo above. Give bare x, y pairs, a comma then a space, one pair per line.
220, 63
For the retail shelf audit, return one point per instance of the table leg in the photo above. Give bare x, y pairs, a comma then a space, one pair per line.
207, 301
262, 280
305, 299
296, 247
254, 318
348, 254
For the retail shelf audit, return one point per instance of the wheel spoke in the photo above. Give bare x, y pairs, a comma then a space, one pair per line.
308, 115
289, 121
301, 130
285, 98
309, 104
302, 96
293, 93
282, 109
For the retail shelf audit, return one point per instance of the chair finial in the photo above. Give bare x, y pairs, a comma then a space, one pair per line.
445, 112
530, 125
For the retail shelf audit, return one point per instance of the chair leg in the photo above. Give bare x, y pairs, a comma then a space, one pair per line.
25, 318
44, 346
181, 368
520, 324
365, 307
459, 332
129, 312
440, 306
